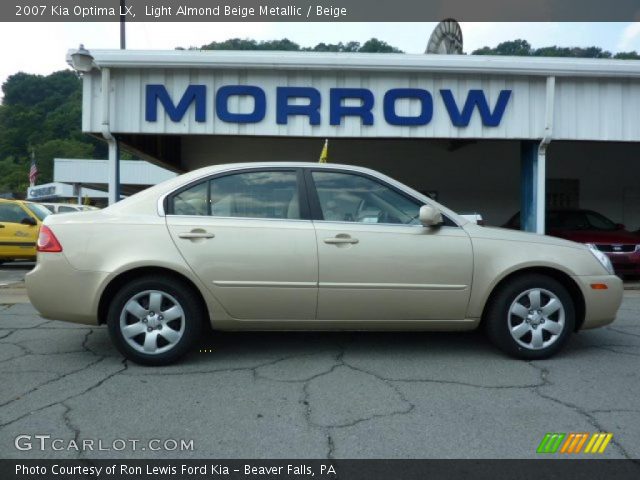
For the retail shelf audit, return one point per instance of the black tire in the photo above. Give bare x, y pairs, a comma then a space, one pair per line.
499, 322
173, 293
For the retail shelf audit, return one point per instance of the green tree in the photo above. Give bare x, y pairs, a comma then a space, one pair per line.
58, 148
377, 46
14, 175
372, 45
247, 44
41, 114
627, 55
522, 48
519, 48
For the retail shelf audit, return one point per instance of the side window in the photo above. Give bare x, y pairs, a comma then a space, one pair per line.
348, 197
260, 194
11, 213
256, 195
192, 201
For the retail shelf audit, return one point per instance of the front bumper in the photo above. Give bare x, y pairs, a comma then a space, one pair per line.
625, 263
60, 292
601, 305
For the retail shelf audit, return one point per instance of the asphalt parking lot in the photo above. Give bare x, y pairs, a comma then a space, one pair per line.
313, 395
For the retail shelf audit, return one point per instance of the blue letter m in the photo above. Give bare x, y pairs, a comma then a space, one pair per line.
193, 93
476, 98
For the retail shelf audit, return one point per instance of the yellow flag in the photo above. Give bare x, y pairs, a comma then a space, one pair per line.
325, 152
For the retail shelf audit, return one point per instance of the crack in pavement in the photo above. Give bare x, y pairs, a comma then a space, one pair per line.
70, 425
444, 382
330, 447
544, 374
622, 332
86, 390
616, 410
339, 362
60, 377
618, 352
25, 351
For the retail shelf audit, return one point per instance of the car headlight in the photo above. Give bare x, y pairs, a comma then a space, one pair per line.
602, 258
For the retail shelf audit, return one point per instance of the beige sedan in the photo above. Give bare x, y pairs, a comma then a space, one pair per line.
302, 246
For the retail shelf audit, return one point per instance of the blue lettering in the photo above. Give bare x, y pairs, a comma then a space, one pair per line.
284, 109
193, 93
222, 104
340, 106
338, 110
389, 106
475, 98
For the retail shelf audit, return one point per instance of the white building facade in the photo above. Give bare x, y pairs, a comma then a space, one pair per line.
489, 134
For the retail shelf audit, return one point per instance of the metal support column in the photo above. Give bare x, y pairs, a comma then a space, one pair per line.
533, 157
114, 172
528, 185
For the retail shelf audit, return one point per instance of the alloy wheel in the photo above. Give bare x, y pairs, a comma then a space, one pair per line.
152, 322
536, 318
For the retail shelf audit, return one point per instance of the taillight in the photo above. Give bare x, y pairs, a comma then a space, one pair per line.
47, 241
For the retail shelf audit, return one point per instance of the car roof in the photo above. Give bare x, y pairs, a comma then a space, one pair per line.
243, 165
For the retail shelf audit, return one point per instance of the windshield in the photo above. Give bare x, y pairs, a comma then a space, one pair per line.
38, 210
580, 220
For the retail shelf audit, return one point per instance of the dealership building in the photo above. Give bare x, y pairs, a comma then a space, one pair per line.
486, 134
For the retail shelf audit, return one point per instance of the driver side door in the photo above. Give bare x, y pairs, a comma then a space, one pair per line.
376, 261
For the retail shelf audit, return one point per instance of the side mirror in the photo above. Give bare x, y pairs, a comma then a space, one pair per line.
430, 216
28, 221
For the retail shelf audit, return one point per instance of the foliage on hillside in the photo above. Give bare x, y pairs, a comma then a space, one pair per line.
41, 114
372, 45
522, 48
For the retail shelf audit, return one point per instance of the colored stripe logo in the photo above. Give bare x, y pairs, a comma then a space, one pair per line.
572, 443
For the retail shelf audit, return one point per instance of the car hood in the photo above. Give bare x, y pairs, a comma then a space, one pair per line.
497, 233
598, 236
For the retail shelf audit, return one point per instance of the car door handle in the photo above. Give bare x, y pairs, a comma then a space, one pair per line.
195, 235
341, 240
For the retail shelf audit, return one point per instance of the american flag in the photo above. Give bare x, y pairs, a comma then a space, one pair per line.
33, 171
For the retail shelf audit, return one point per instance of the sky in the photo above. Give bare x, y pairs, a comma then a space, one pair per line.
41, 47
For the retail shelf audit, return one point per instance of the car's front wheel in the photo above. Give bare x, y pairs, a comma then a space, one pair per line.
530, 317
154, 321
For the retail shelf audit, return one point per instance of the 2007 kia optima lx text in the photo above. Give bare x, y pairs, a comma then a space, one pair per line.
301, 246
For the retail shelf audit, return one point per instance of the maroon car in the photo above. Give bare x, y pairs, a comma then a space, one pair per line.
587, 226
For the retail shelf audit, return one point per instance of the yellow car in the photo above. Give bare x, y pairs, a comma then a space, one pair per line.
19, 227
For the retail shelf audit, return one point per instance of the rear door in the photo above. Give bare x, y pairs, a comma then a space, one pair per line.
248, 236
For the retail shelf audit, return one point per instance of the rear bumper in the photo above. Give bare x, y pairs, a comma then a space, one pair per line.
60, 292
601, 305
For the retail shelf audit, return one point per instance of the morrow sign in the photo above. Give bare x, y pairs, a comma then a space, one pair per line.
306, 102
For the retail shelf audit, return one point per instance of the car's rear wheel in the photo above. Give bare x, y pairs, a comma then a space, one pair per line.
530, 317
154, 321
